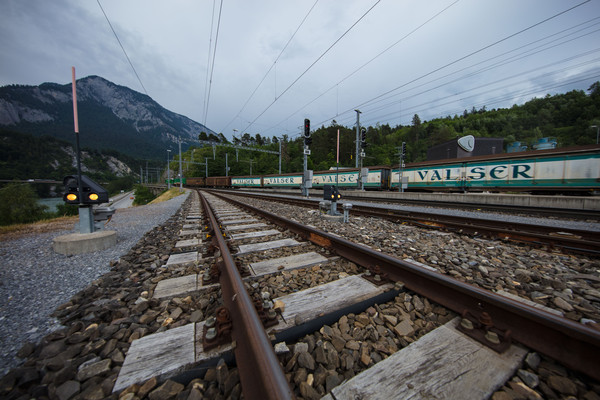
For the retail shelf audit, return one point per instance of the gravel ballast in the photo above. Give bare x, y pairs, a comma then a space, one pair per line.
34, 280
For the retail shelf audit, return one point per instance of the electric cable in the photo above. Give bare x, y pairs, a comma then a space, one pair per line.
272, 66
314, 62
122, 48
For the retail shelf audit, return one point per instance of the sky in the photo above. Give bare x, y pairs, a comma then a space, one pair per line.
263, 66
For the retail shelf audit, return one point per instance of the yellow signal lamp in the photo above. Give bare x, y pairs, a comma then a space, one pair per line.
71, 197
93, 196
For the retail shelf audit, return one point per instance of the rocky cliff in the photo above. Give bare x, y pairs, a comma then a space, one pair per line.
110, 116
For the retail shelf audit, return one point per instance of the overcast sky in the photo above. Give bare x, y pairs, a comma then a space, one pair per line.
391, 59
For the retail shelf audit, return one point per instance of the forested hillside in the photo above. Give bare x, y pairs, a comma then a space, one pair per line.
566, 117
23, 156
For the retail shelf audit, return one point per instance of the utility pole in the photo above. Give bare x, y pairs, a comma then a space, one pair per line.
357, 137
168, 170
280, 157
402, 154
206, 164
180, 172
226, 164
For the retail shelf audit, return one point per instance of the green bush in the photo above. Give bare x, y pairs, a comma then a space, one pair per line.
64, 209
143, 195
18, 205
125, 183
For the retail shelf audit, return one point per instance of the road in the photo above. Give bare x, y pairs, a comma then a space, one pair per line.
123, 200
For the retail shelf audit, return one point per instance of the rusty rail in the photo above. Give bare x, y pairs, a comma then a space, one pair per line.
567, 239
575, 345
261, 374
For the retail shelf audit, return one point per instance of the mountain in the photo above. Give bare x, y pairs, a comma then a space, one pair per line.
110, 117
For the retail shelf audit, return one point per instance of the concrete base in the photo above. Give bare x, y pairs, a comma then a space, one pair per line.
334, 218
79, 243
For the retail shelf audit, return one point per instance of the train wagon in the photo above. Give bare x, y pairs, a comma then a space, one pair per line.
293, 180
218, 181
377, 178
175, 181
196, 181
246, 181
563, 170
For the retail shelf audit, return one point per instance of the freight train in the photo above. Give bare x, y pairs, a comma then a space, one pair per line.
575, 169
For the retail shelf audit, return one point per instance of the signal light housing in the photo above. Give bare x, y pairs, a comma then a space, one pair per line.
92, 192
363, 137
331, 193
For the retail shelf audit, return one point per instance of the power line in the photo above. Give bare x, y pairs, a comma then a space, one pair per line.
469, 75
212, 23
472, 53
122, 48
314, 62
213, 63
548, 74
272, 66
368, 62
506, 61
364, 104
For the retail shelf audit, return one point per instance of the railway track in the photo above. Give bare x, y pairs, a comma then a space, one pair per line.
489, 318
462, 205
565, 239
235, 269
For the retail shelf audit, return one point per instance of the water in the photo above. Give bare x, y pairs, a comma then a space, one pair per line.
51, 203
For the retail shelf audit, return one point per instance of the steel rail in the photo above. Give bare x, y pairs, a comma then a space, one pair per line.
575, 345
261, 374
575, 240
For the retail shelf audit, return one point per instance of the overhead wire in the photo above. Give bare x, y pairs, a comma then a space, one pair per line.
469, 75
550, 73
272, 65
472, 53
349, 111
210, 36
368, 62
506, 61
212, 69
122, 48
314, 62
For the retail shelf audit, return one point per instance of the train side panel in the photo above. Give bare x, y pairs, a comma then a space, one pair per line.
581, 171
196, 181
343, 178
286, 181
246, 181
556, 172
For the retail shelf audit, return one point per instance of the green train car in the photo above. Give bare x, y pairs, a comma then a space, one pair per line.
575, 169
175, 181
555, 170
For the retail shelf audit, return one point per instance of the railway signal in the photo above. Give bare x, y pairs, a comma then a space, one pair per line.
307, 138
403, 150
91, 192
363, 137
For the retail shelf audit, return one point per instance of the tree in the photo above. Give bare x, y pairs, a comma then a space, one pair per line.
18, 205
594, 90
416, 127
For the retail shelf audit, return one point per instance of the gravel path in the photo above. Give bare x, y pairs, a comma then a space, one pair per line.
34, 280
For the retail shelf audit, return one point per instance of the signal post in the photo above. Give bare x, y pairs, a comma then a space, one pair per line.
84, 192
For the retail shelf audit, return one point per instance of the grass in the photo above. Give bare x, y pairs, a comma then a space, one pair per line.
46, 225
168, 195
10, 232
